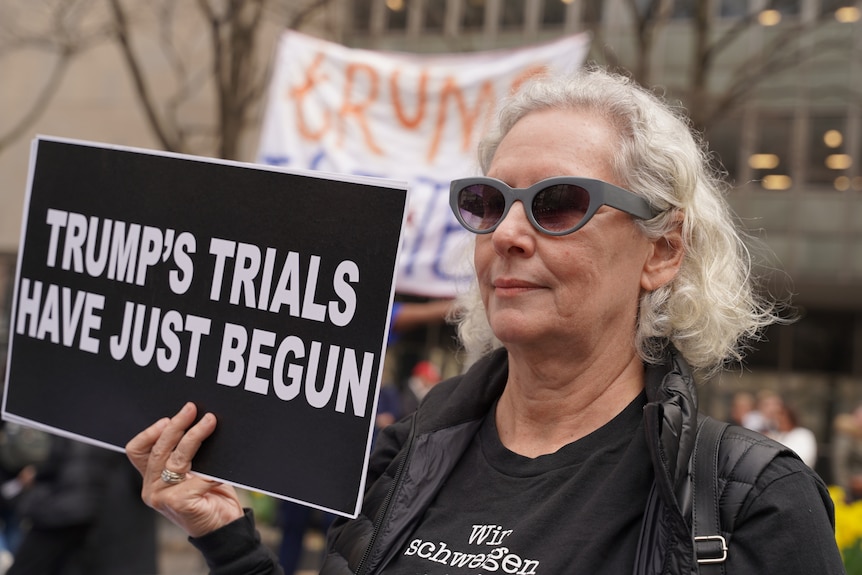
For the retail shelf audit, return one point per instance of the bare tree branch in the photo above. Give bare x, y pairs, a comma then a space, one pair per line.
751, 74
40, 103
170, 142
781, 53
65, 37
230, 72
648, 22
299, 18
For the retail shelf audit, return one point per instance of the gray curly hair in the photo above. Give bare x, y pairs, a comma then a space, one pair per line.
712, 307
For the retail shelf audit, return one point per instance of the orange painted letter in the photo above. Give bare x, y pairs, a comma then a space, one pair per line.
409, 123
468, 117
300, 92
358, 109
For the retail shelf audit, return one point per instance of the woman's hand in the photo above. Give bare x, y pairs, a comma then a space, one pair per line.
195, 504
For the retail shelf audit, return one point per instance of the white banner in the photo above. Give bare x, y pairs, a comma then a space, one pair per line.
409, 117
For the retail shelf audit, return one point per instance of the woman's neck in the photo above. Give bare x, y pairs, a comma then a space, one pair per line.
547, 405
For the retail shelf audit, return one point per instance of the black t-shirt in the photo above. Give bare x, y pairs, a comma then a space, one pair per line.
575, 511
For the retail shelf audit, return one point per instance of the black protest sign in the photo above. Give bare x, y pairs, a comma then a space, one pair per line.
147, 279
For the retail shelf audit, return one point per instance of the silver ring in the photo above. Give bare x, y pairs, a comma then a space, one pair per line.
172, 477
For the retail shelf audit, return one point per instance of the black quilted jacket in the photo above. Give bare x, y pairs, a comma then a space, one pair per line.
416, 455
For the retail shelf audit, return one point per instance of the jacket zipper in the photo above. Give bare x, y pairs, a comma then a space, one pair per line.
396, 483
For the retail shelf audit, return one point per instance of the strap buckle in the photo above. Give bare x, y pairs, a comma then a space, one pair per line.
720, 550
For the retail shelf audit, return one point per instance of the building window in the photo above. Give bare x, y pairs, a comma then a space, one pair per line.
724, 141
473, 15
828, 161
361, 15
843, 10
513, 14
821, 341
684, 9
733, 8
785, 7
554, 13
777, 11
770, 161
434, 15
765, 353
592, 11
396, 14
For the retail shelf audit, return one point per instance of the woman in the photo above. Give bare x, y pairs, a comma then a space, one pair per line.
784, 428
543, 457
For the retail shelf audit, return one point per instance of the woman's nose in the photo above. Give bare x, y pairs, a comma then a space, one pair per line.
515, 232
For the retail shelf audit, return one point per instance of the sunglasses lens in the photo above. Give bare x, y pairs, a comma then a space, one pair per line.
562, 207
481, 206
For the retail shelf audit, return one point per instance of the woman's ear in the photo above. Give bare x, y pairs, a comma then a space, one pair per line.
665, 258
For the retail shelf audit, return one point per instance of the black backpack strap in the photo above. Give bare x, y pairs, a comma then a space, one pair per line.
710, 546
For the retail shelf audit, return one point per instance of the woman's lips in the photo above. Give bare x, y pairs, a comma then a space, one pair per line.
511, 285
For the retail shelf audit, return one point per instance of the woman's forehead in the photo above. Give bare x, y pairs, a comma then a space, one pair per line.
550, 143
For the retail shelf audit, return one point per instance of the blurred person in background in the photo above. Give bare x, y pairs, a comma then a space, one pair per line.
784, 428
744, 412
82, 516
847, 454
21, 449
423, 378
